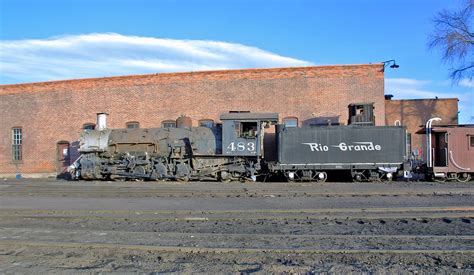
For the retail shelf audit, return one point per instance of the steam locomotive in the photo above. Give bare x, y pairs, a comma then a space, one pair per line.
243, 148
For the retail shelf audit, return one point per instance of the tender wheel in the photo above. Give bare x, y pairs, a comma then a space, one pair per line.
224, 176
358, 177
321, 177
387, 177
290, 176
463, 177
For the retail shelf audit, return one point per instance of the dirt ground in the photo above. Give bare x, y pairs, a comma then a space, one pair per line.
49, 226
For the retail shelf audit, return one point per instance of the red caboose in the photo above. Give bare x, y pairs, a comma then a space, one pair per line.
449, 152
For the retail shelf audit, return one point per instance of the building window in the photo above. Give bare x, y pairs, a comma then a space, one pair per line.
132, 125
472, 141
17, 140
290, 122
209, 123
168, 124
88, 126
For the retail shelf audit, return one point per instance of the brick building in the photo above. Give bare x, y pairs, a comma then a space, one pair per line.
39, 120
413, 113
49, 114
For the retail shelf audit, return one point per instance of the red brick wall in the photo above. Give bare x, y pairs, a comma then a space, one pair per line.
415, 112
54, 111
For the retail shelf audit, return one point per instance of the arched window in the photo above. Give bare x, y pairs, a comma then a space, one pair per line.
168, 124
290, 121
88, 126
132, 125
209, 123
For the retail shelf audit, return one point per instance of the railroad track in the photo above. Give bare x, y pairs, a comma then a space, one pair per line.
309, 223
229, 190
5, 244
100, 257
374, 212
225, 242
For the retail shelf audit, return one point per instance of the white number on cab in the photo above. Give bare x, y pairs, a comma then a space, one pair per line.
241, 146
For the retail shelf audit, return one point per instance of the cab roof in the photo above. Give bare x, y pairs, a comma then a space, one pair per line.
272, 117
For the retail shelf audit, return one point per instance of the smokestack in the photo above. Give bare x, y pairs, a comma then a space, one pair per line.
101, 121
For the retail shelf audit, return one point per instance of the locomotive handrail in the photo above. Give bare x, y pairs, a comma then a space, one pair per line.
132, 143
155, 145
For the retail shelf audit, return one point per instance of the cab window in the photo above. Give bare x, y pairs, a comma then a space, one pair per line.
248, 129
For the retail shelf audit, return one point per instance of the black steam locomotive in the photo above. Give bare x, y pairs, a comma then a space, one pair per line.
244, 148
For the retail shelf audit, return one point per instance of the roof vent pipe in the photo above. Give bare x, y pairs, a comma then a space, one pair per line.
101, 121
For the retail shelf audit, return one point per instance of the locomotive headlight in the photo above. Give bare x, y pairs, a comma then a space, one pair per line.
321, 176
389, 175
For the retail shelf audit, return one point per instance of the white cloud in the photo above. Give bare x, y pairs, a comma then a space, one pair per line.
468, 83
406, 82
407, 88
107, 54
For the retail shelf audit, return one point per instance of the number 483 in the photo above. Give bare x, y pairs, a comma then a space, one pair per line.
241, 146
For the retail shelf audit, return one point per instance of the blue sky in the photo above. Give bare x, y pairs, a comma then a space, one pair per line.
60, 39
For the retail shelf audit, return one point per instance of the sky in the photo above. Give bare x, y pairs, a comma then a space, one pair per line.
43, 40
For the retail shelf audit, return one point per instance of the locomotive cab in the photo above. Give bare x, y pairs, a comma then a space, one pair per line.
243, 133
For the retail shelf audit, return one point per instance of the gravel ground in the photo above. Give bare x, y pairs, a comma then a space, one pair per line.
49, 226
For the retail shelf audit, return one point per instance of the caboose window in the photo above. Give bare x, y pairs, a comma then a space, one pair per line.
249, 129
17, 141
132, 125
290, 122
168, 124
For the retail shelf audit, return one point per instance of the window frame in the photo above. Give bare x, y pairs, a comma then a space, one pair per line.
290, 118
127, 124
203, 121
87, 125
247, 129
168, 121
17, 144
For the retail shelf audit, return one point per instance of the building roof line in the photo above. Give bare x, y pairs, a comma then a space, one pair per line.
416, 99
203, 73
